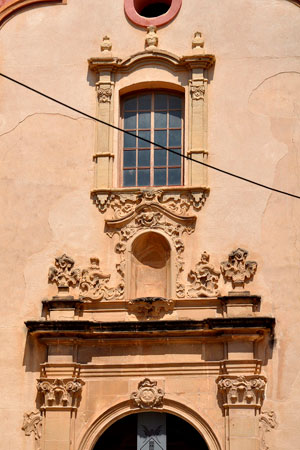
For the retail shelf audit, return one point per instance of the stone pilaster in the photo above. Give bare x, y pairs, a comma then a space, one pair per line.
241, 398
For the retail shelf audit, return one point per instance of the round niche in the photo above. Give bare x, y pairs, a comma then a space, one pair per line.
151, 12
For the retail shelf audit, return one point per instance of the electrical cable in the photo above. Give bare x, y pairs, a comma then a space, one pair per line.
148, 141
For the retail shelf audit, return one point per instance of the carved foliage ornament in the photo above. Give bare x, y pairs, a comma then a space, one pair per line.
242, 391
150, 307
267, 422
93, 284
148, 395
204, 279
237, 270
63, 393
151, 41
32, 424
197, 89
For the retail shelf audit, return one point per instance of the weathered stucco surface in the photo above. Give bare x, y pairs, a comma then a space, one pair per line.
47, 174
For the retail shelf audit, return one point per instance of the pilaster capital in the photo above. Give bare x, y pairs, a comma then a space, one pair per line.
242, 391
60, 393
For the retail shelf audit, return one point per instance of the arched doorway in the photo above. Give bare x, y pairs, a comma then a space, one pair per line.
151, 431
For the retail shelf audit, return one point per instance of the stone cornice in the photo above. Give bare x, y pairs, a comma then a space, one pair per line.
249, 328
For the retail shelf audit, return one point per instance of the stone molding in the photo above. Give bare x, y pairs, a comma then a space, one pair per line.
267, 422
11, 6
32, 424
242, 391
60, 393
237, 270
148, 395
150, 307
203, 279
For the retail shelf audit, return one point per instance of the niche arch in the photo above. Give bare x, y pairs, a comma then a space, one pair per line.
150, 265
102, 422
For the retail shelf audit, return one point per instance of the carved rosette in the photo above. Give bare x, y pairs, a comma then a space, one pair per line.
237, 270
204, 279
243, 391
148, 395
63, 273
94, 284
267, 422
60, 393
150, 307
32, 424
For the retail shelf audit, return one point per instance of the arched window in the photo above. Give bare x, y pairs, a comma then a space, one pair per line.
158, 117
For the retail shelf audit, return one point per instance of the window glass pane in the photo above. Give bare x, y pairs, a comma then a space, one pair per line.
160, 138
146, 135
130, 104
160, 177
129, 177
129, 141
160, 101
160, 157
130, 120
174, 176
175, 138
144, 119
129, 158
144, 177
144, 158
145, 102
174, 102
175, 119
175, 160
160, 119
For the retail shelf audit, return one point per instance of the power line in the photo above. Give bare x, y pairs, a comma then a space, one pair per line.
189, 158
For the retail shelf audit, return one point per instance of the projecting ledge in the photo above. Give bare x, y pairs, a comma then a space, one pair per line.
225, 328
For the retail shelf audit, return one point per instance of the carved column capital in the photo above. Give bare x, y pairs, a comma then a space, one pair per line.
104, 92
197, 89
148, 395
60, 393
242, 391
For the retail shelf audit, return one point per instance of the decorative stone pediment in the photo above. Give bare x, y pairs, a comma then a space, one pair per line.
148, 395
243, 391
60, 393
150, 307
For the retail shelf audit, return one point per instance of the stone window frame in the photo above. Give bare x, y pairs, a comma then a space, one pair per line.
152, 92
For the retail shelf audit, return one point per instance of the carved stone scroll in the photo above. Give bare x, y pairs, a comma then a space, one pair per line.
150, 307
204, 279
32, 424
267, 422
94, 284
60, 393
237, 270
243, 391
148, 395
63, 273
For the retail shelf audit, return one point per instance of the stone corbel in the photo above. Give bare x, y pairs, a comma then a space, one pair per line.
242, 391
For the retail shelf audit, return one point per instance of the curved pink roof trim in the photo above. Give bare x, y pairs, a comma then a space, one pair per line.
8, 7
133, 16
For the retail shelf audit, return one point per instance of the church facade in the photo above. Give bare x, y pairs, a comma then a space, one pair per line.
150, 288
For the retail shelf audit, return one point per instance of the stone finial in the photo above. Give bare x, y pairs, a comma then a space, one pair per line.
204, 279
148, 395
106, 46
151, 41
237, 269
63, 274
198, 43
